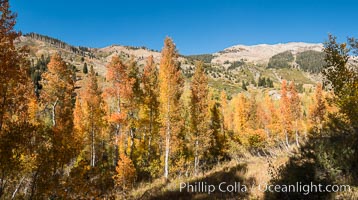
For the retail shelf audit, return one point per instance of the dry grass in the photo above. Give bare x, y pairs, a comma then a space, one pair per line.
252, 170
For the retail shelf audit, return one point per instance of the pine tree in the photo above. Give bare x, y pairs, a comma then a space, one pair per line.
244, 86
341, 75
171, 86
85, 69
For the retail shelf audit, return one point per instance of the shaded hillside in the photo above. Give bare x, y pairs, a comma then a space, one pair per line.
311, 61
281, 60
327, 159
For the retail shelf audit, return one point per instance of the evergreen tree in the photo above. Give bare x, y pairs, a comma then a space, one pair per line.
85, 69
243, 85
342, 76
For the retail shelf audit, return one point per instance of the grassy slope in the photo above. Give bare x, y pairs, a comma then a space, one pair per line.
250, 171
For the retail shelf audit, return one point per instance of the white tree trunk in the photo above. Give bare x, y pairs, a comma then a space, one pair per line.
54, 112
167, 142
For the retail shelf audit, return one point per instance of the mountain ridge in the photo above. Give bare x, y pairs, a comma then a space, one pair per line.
261, 53
227, 68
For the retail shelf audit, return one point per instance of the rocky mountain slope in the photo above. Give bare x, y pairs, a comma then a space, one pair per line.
228, 69
261, 54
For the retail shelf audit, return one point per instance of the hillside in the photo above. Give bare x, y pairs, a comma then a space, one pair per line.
228, 69
260, 54
243, 136
98, 57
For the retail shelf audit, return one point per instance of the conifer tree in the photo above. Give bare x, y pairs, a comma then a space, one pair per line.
85, 68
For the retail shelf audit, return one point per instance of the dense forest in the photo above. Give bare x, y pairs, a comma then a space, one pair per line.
135, 126
281, 60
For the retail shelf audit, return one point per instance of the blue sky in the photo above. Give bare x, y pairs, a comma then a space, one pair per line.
196, 26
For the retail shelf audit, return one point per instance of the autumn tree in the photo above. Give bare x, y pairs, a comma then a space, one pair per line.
270, 118
57, 96
125, 177
149, 117
116, 74
285, 111
171, 86
199, 115
218, 148
92, 114
123, 95
132, 97
241, 108
318, 109
340, 73
225, 115
15, 87
295, 109
16, 124
57, 93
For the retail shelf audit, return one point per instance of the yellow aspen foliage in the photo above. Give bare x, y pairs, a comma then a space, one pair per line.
171, 88
199, 111
241, 113
296, 111
285, 112
126, 173
318, 110
226, 115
